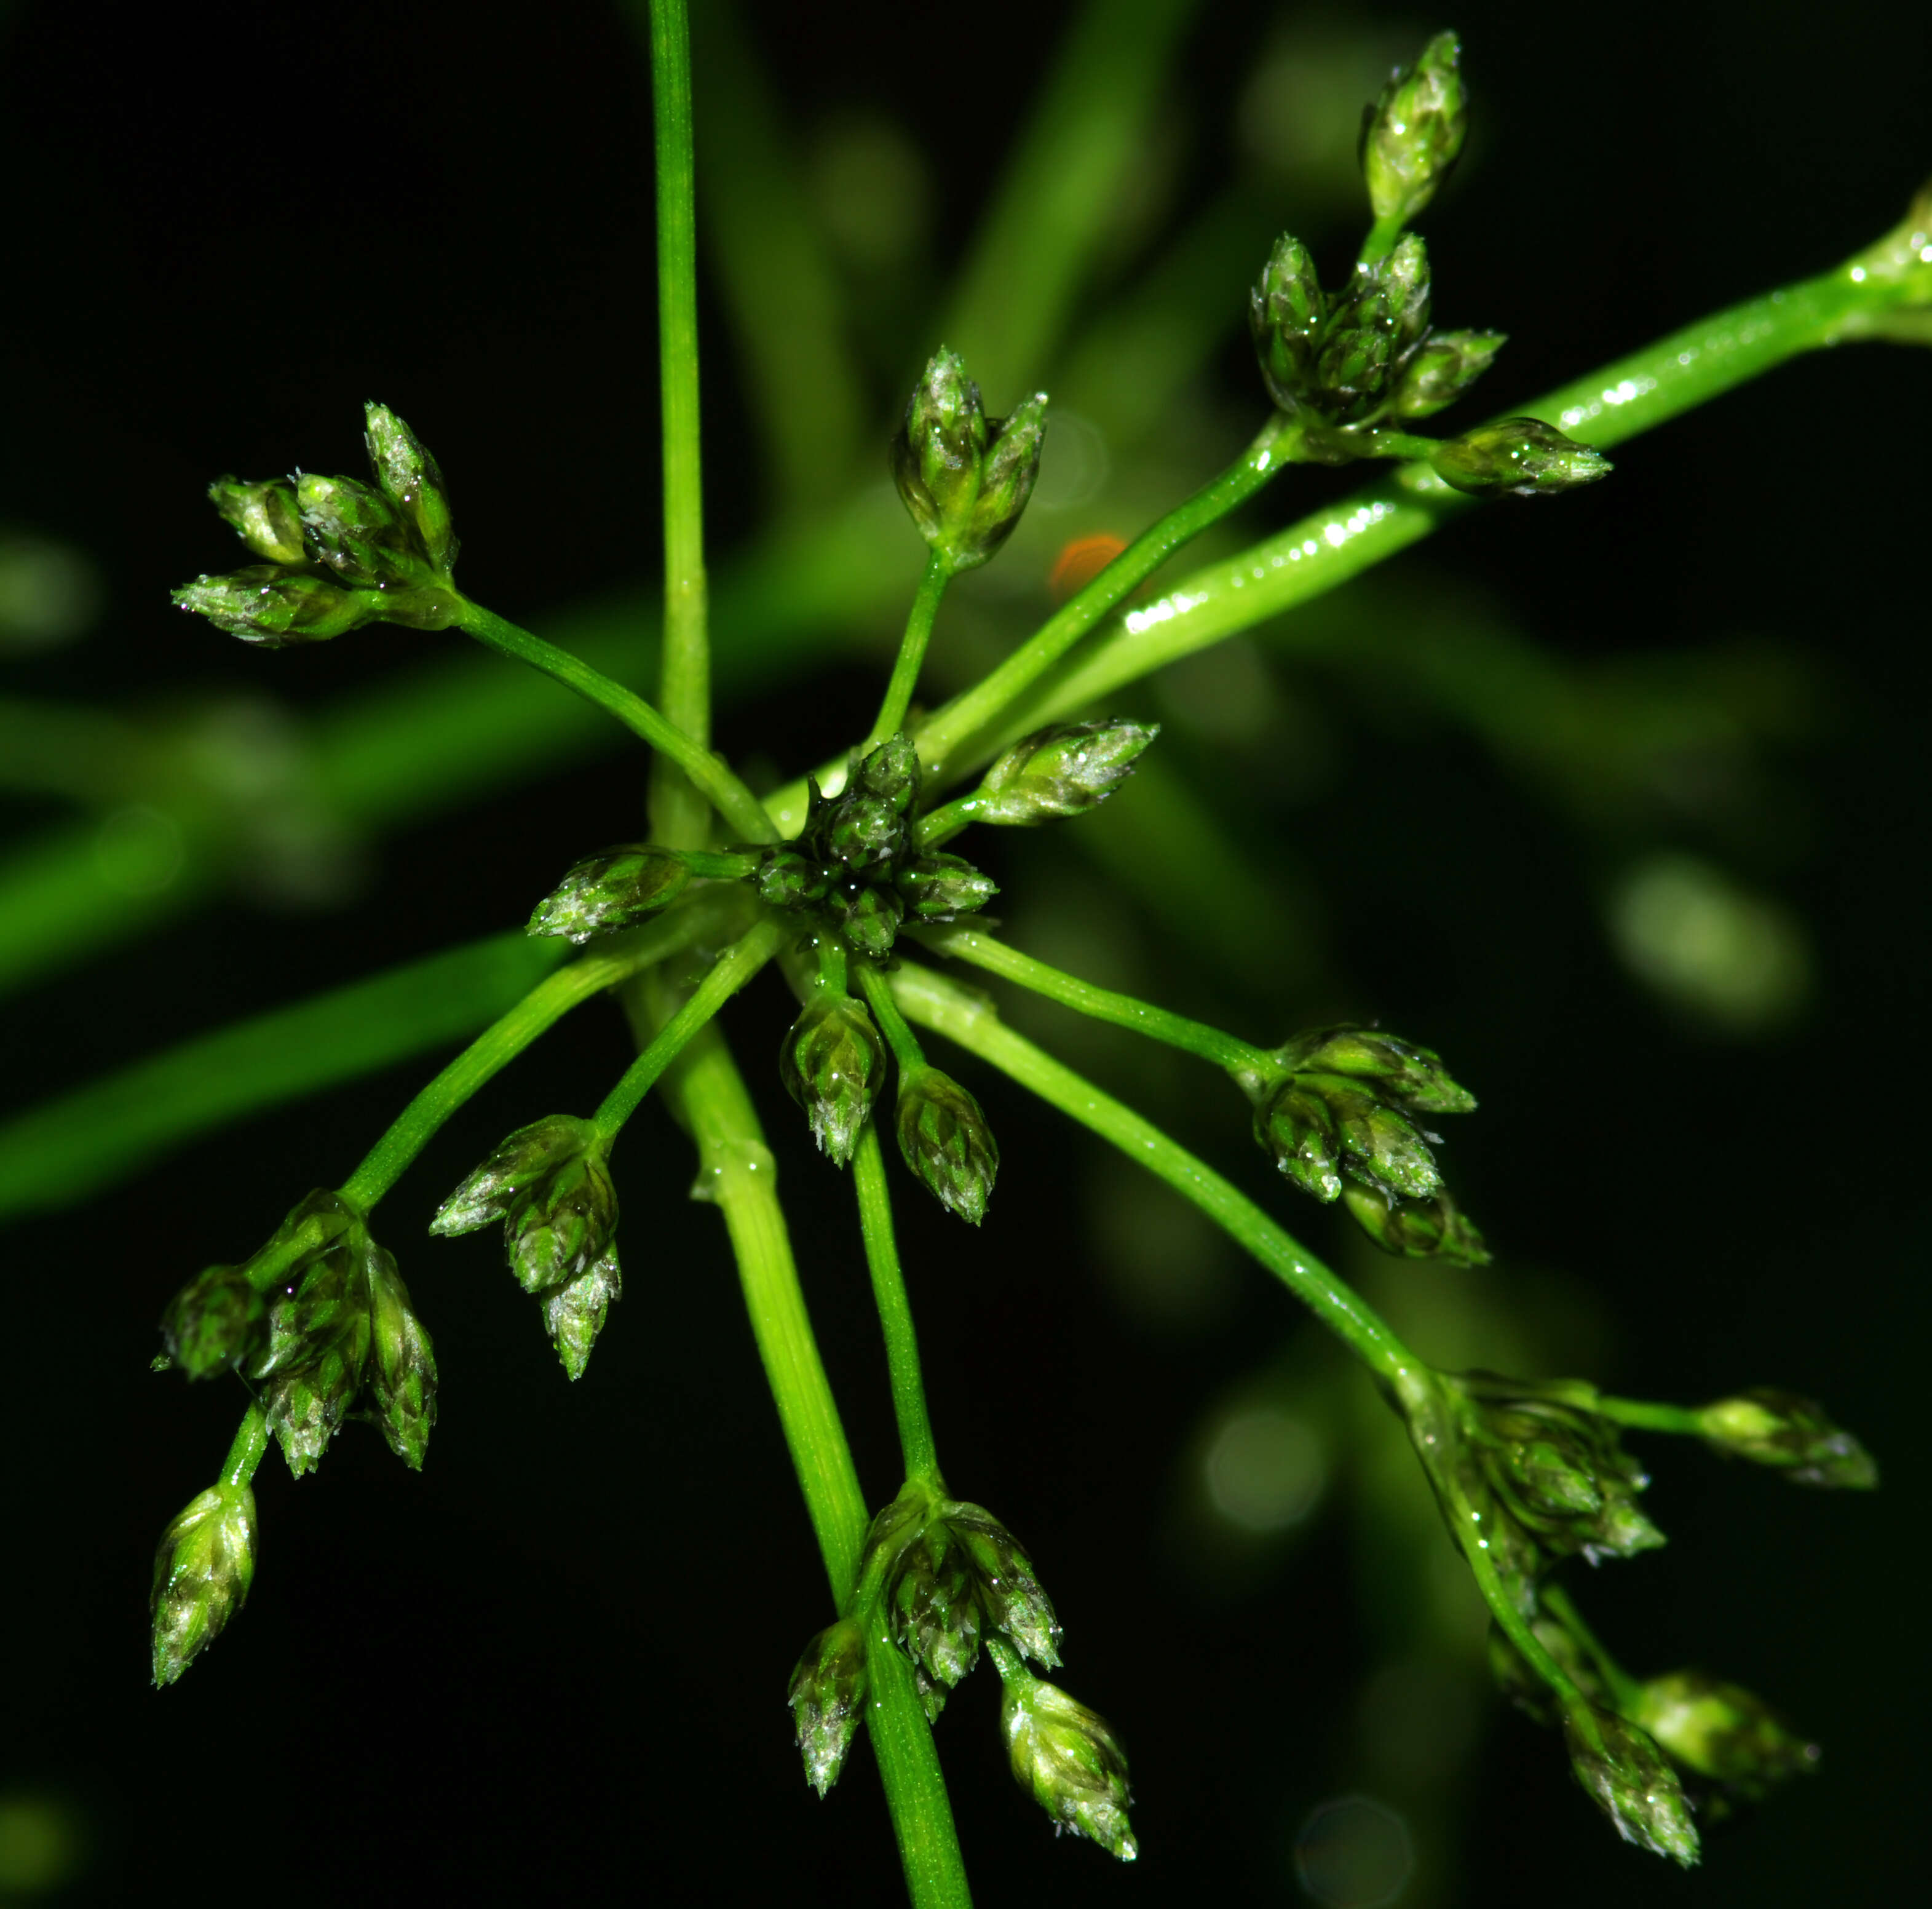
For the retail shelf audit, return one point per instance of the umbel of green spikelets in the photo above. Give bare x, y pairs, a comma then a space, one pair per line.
1337, 1110
946, 1577
1352, 367
336, 553
550, 1184
1537, 1467
320, 1320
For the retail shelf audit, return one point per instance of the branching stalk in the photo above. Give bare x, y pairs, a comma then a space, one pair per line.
888, 1293
912, 651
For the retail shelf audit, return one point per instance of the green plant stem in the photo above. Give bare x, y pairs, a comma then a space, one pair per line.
684, 679
721, 788
1626, 1692
728, 974
930, 999
939, 738
888, 1294
1644, 1415
737, 1171
880, 998
1631, 394
982, 950
912, 650
495, 1047
244, 1455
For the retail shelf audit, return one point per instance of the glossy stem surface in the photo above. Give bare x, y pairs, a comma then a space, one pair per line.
729, 973
1645, 1416
983, 950
888, 1294
245, 1453
722, 789
684, 680
736, 1173
912, 651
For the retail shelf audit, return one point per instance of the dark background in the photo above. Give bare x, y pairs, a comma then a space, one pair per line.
554, 1663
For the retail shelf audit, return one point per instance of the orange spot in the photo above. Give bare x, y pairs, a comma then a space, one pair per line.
1081, 562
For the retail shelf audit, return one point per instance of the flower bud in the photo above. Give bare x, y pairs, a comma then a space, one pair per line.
527, 1156
964, 478
359, 533
1412, 135
556, 1230
870, 921
1352, 369
1070, 1760
408, 476
833, 1062
264, 516
276, 607
574, 1312
611, 890
1522, 456
1557, 1469
214, 1322
1723, 1732
1632, 1783
1381, 1148
202, 1569
933, 1603
1063, 770
402, 1363
1442, 368
860, 831
1404, 278
1779, 1429
787, 878
1295, 1129
946, 1140
1399, 1071
827, 1698
1009, 1594
890, 774
942, 887
1287, 312
1416, 1229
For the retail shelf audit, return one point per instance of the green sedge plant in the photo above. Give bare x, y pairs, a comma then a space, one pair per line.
854, 881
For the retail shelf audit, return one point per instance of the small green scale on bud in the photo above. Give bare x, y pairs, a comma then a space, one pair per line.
1070, 1761
611, 890
1063, 770
274, 607
402, 1364
264, 516
1791, 1434
1412, 134
942, 887
550, 1184
214, 1322
1521, 456
1287, 314
202, 1569
1380, 1147
833, 1062
946, 1141
1417, 1229
964, 478
1296, 1130
870, 920
1723, 1733
1444, 365
1632, 1782
1010, 1593
359, 533
574, 1312
827, 1698
1399, 1070
787, 878
932, 1601
409, 476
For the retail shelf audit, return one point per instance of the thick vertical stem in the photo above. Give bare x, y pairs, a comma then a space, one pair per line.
678, 818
